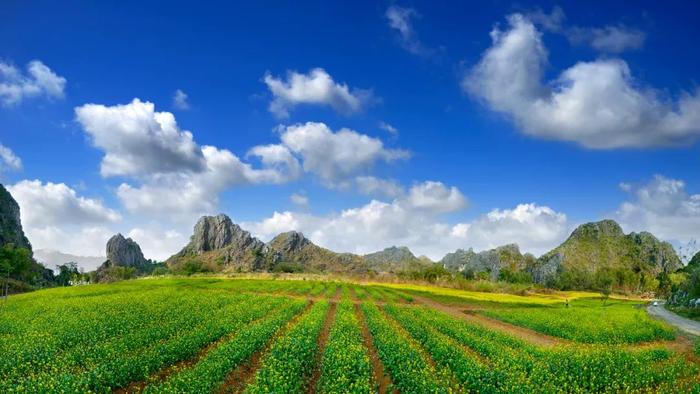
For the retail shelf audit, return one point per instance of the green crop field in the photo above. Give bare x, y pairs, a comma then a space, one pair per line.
223, 335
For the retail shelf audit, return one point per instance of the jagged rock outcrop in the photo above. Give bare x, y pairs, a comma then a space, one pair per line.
123, 256
599, 247
294, 248
219, 243
124, 252
10, 224
491, 262
395, 259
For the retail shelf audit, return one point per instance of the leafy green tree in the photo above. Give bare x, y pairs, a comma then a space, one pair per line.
68, 273
17, 264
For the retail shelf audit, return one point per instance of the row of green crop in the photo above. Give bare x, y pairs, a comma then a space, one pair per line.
46, 332
589, 321
505, 364
118, 367
208, 374
288, 365
345, 367
409, 370
474, 375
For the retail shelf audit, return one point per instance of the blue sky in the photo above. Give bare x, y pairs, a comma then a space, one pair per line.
509, 122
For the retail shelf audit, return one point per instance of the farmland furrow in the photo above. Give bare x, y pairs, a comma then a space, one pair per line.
238, 378
531, 336
287, 366
445, 373
409, 370
163, 374
210, 372
321, 344
382, 380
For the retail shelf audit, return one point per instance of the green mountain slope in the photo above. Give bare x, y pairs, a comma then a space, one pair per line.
600, 252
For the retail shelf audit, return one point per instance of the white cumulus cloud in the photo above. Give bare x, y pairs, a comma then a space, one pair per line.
8, 159
175, 176
158, 244
317, 88
43, 204
54, 216
379, 224
371, 185
39, 80
597, 104
663, 207
537, 229
335, 157
137, 139
436, 197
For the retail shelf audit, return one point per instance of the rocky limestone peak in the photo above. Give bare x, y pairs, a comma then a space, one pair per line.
10, 224
392, 253
218, 232
289, 242
598, 230
124, 252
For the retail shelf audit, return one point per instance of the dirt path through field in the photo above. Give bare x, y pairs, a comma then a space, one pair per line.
322, 341
682, 344
381, 378
243, 374
468, 314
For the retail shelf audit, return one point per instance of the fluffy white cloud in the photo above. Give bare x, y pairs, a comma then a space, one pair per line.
184, 196
535, 228
663, 207
376, 186
317, 87
596, 104
39, 80
278, 157
180, 100
54, 216
436, 197
335, 157
8, 159
137, 139
158, 244
401, 20
378, 224
611, 39
76, 240
177, 177
44, 204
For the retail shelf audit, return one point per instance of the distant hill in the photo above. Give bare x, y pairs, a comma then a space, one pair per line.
503, 260
292, 247
53, 258
219, 244
602, 249
594, 253
395, 259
